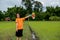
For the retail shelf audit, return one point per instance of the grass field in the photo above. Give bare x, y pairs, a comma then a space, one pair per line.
45, 30
7, 31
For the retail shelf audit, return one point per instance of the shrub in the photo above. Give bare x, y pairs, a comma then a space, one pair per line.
54, 18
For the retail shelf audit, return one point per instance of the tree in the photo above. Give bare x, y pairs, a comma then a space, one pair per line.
37, 6
1, 16
57, 11
11, 12
28, 5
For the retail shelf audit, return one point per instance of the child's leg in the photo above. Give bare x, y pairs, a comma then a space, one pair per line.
17, 38
20, 38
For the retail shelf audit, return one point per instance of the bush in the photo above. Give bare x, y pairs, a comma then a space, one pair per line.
54, 18
13, 18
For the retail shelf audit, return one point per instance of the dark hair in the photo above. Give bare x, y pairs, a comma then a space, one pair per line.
19, 14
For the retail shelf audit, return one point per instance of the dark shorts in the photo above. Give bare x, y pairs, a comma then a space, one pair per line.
19, 33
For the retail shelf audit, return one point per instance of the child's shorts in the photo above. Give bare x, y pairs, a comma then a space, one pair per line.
19, 33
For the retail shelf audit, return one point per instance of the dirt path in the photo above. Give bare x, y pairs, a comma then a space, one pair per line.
33, 34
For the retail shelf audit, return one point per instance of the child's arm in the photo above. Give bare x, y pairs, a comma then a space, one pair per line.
28, 16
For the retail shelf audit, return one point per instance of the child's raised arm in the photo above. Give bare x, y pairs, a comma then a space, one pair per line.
28, 16
31, 15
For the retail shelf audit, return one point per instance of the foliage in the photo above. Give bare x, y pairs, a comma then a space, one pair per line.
2, 16
28, 4
54, 18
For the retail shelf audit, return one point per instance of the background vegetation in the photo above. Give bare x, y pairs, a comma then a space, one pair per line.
29, 6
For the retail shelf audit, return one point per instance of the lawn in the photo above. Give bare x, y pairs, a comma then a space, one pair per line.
7, 31
45, 30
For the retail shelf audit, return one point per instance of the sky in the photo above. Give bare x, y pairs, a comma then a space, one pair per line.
4, 4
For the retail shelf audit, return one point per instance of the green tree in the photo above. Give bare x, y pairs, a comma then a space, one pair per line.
1, 16
11, 12
50, 10
28, 5
57, 11
37, 6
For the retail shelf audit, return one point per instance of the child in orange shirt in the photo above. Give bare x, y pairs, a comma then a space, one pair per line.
19, 26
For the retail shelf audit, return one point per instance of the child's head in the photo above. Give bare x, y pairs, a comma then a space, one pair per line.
18, 15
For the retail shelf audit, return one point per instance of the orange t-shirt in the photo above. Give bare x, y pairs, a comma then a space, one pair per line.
19, 22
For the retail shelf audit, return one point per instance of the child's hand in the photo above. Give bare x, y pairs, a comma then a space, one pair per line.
33, 15
16, 30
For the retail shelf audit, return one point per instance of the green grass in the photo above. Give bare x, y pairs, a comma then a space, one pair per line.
7, 31
45, 30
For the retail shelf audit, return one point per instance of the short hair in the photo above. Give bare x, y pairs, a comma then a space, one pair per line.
19, 14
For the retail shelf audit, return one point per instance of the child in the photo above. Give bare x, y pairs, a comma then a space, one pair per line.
19, 26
